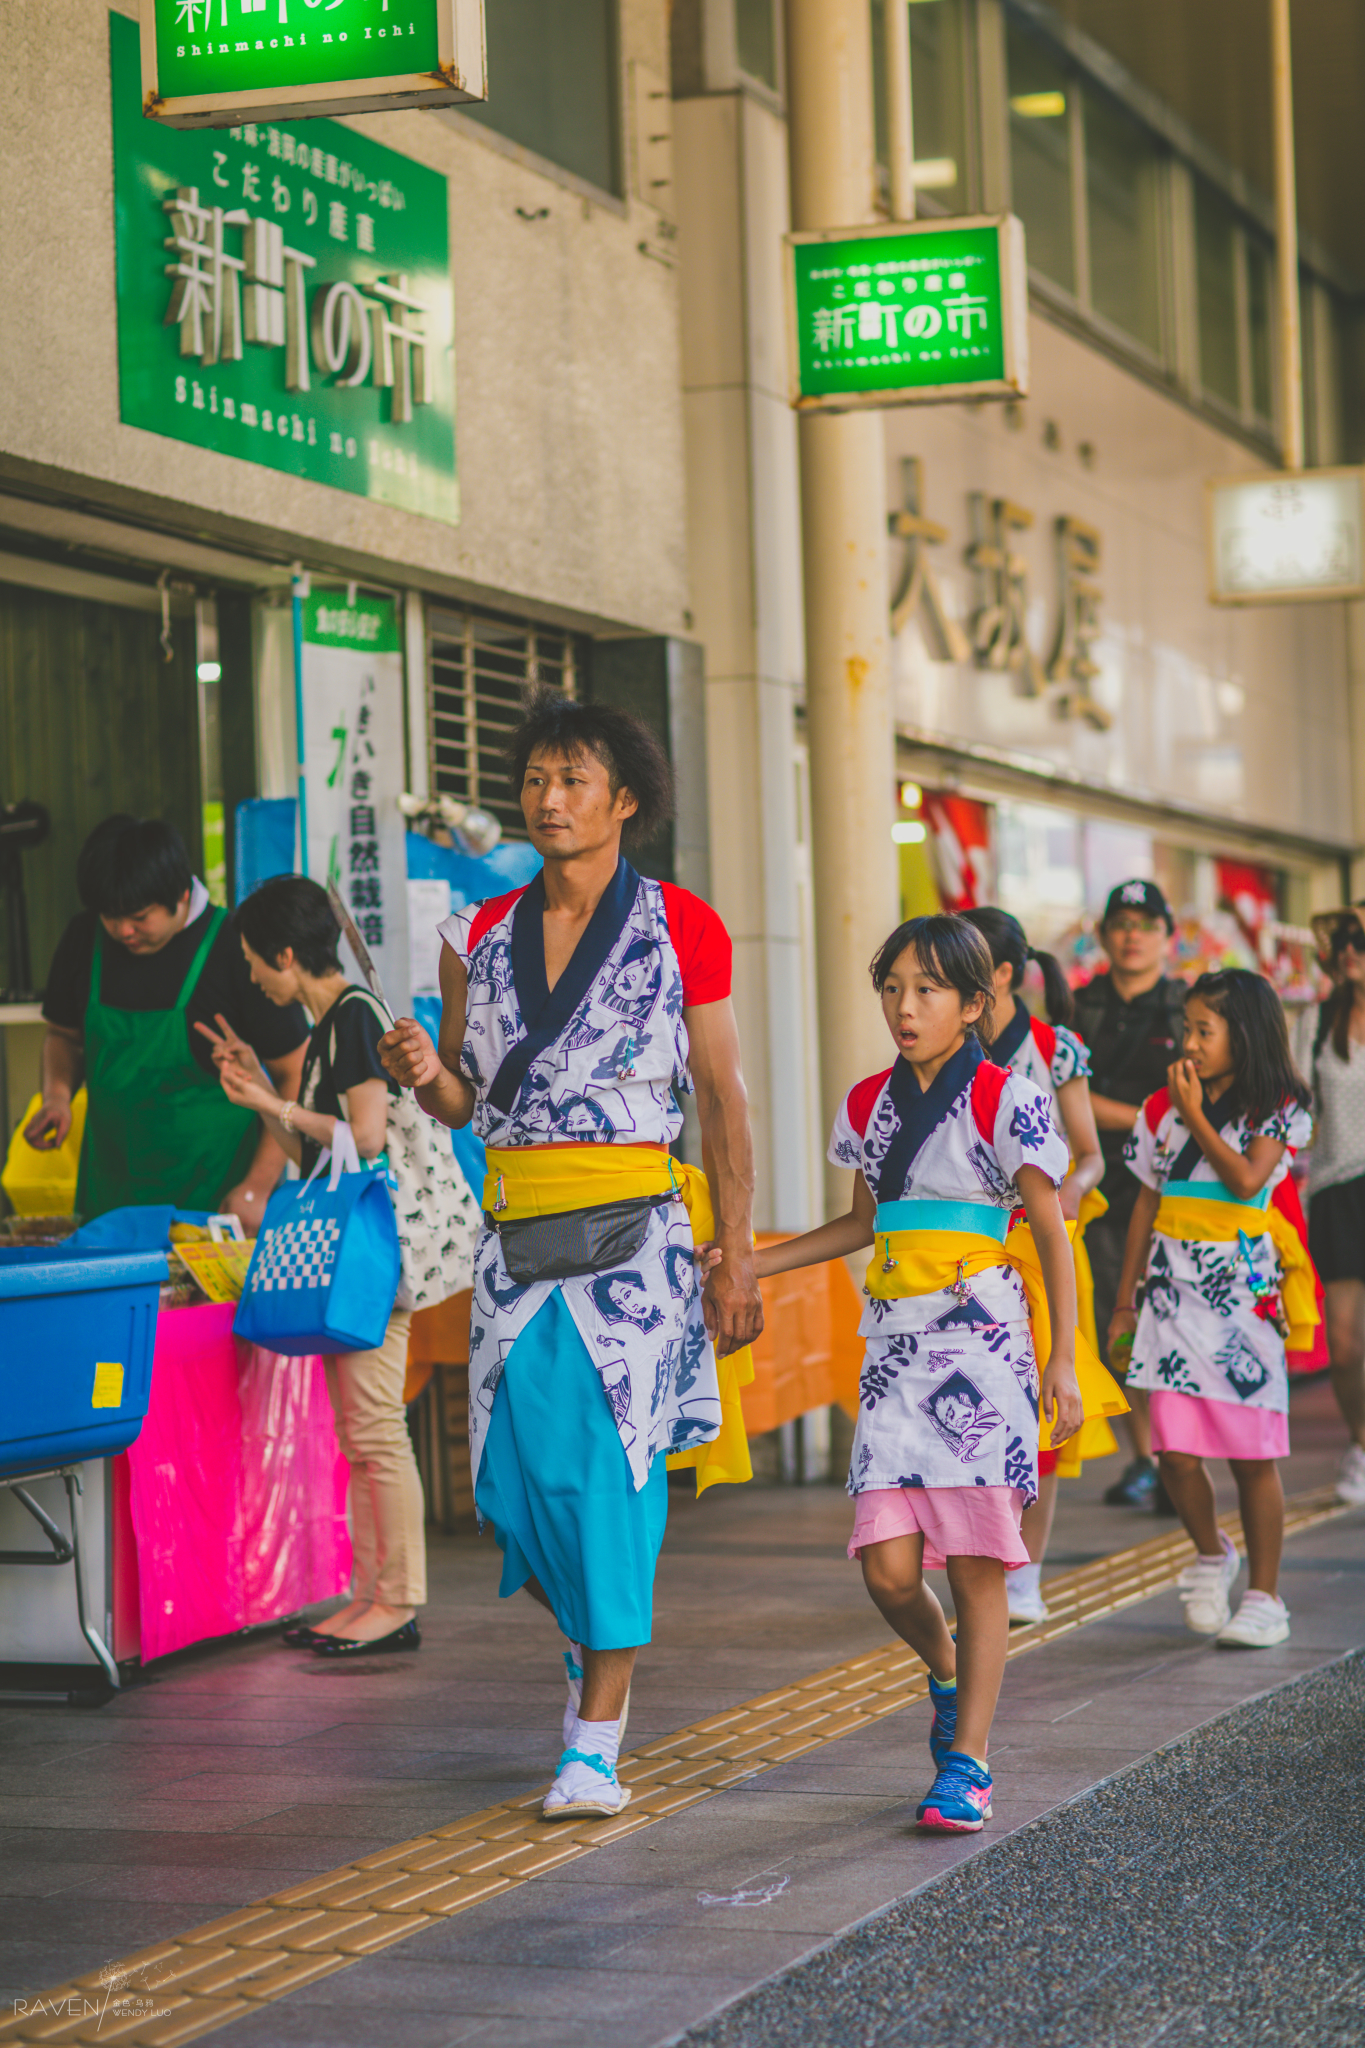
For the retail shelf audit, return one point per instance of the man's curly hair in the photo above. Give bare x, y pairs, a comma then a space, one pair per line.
624, 744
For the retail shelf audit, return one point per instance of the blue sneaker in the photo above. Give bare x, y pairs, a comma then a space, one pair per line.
959, 1800
943, 1727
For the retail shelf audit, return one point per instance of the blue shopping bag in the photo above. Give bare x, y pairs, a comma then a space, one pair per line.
325, 1268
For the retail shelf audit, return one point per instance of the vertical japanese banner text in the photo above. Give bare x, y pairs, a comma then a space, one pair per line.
353, 733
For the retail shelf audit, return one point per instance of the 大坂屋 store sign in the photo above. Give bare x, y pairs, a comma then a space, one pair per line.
284, 296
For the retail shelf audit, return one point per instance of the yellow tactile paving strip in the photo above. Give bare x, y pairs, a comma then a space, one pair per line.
215, 1974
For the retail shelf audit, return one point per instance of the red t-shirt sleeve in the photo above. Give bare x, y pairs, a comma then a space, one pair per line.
492, 912
701, 943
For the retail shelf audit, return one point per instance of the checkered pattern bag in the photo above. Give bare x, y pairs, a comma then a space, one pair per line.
325, 1268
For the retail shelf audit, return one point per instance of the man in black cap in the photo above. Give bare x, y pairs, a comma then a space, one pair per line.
1132, 1020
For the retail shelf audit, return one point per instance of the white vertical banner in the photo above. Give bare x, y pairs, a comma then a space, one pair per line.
353, 750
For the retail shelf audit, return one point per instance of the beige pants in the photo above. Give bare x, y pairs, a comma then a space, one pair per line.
388, 1513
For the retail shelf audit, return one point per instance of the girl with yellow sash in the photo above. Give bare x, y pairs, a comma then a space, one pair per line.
1055, 1060
1226, 1281
945, 1454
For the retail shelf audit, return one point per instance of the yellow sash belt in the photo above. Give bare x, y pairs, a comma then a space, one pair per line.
546, 1180
1201, 1221
928, 1261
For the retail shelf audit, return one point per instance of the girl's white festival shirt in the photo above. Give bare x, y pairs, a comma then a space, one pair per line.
1050, 1056
1198, 1332
949, 1388
610, 1075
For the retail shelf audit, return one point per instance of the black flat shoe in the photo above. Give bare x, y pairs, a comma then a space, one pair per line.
408, 1637
300, 1636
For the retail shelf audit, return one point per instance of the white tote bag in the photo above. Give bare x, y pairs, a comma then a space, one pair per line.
438, 1217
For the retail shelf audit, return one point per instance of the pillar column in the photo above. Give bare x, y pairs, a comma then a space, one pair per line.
843, 528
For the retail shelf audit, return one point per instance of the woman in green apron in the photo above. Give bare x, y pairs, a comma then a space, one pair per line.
157, 1127
136, 983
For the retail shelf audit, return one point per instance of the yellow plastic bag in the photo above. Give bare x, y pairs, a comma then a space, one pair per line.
44, 1183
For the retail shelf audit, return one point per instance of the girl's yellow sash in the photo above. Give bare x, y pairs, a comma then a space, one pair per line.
928, 1261
545, 1180
1213, 1215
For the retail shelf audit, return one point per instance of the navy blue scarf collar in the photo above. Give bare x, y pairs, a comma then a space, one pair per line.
1012, 1037
545, 1011
920, 1111
1220, 1114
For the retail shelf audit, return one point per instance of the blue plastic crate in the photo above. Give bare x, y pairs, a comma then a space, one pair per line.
76, 1338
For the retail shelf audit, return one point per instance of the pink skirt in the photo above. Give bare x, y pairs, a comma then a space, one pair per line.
955, 1521
1216, 1429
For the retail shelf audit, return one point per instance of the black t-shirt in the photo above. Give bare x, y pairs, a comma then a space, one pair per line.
343, 1051
1131, 1045
153, 981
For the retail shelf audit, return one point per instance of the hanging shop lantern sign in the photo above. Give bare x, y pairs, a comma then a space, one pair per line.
1286, 535
911, 313
219, 63
284, 297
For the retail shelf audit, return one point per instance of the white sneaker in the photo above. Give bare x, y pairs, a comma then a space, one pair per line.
1026, 1603
1258, 1622
1351, 1478
1204, 1588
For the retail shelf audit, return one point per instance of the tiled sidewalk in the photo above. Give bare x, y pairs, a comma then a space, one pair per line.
246, 1770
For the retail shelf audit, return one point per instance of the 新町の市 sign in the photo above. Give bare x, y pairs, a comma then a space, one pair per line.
284, 297
911, 313
217, 63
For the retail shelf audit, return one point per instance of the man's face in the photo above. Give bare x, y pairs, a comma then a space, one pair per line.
147, 931
569, 807
1135, 941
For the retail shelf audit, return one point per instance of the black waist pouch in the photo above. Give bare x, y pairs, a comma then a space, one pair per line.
577, 1241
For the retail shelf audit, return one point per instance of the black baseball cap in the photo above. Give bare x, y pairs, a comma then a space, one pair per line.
1138, 895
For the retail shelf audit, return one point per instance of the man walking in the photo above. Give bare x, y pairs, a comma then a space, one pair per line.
573, 1010
1132, 1021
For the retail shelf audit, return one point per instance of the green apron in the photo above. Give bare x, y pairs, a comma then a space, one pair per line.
157, 1127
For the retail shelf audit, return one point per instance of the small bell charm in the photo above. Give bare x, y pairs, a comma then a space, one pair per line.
889, 1264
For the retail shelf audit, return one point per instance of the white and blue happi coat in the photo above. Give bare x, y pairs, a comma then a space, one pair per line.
609, 1074
949, 1389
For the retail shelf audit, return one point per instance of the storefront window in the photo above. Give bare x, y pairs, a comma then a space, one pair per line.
756, 39
553, 69
1040, 154
1260, 286
479, 671
1122, 167
938, 99
1215, 233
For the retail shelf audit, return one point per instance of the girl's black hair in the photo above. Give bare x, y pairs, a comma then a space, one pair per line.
290, 911
1262, 1062
951, 952
1005, 937
631, 754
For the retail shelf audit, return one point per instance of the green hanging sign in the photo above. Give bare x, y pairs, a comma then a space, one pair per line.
284, 297
216, 63
911, 313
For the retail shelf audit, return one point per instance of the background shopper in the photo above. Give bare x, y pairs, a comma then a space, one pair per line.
1131, 1019
288, 936
1336, 1176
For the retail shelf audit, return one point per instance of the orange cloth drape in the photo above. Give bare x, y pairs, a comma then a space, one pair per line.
438, 1336
810, 1353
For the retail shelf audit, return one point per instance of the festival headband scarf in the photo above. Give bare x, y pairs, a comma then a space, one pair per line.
546, 1012
920, 1111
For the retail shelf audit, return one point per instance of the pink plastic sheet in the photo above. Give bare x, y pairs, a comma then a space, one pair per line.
236, 1487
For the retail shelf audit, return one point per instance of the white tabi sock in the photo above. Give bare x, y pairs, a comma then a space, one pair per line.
597, 1738
1024, 1578
577, 1778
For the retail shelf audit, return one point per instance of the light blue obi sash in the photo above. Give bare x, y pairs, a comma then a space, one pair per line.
976, 1219
1212, 1191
